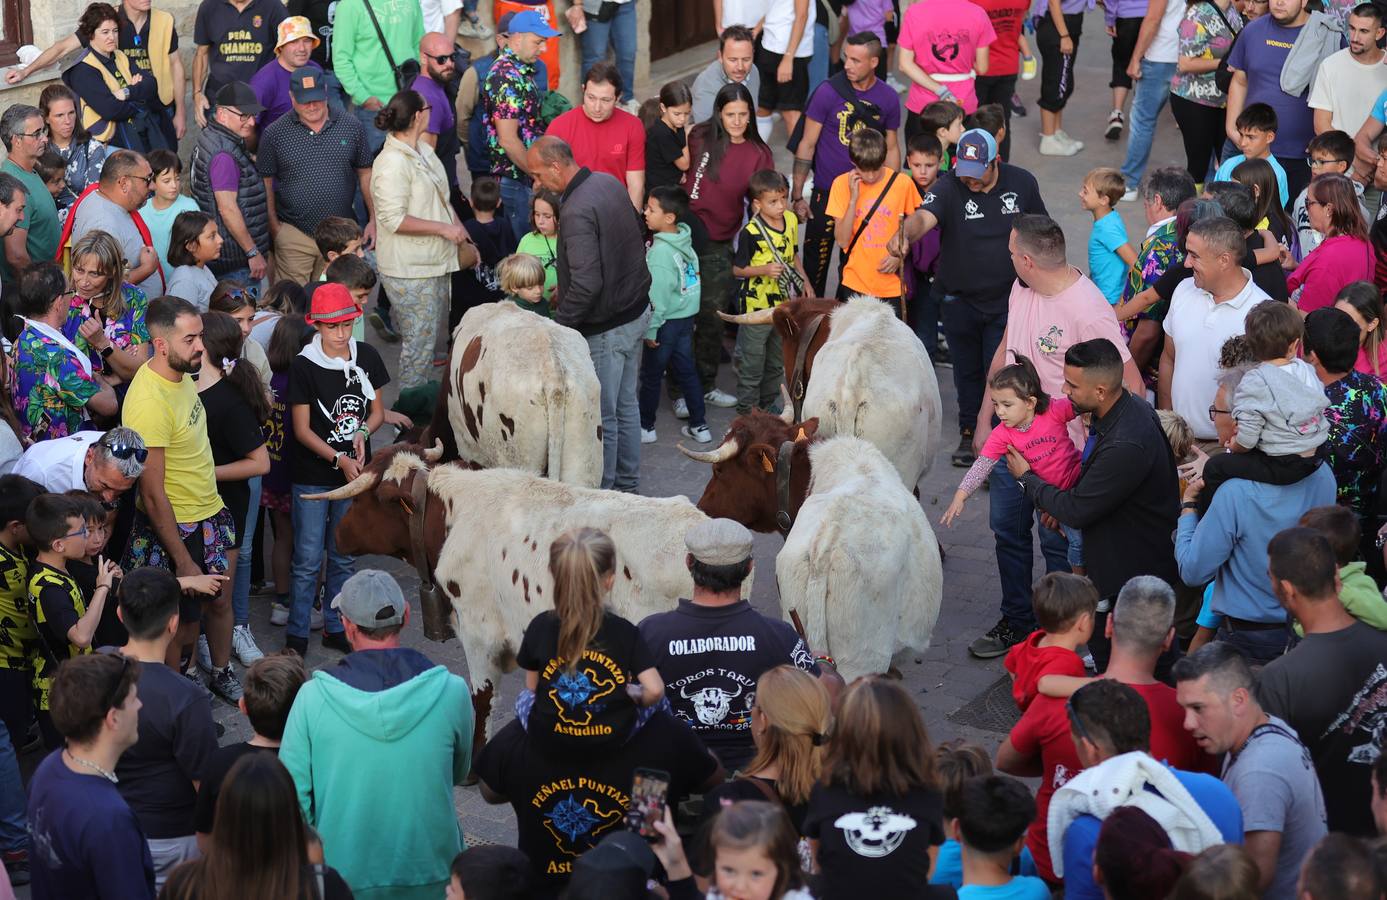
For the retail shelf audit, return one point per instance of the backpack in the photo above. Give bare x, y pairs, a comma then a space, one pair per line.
863, 112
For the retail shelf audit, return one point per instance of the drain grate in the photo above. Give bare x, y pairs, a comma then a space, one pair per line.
992, 710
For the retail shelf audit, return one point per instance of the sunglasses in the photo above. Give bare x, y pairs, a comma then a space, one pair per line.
440, 60
1077, 722
125, 451
115, 688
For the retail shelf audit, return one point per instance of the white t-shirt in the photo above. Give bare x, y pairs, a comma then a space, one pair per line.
744, 12
1347, 88
58, 464
1165, 46
435, 11
780, 21
1199, 327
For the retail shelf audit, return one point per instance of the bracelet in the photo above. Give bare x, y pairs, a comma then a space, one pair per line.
828, 659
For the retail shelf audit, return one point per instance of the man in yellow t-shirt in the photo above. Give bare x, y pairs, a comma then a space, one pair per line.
862, 225
181, 523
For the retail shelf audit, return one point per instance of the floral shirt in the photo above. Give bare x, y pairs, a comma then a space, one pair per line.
1357, 438
84, 161
123, 333
510, 92
1159, 251
49, 387
1206, 32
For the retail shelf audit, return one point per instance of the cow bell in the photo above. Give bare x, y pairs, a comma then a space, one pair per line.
438, 613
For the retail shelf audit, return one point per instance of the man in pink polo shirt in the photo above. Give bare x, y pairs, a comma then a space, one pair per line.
604, 138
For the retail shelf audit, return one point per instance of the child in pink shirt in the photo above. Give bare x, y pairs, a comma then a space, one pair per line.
1037, 425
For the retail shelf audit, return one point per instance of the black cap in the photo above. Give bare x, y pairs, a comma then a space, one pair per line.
616, 869
494, 872
240, 95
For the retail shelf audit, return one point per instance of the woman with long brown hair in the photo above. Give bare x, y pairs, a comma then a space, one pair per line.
259, 844
1344, 256
876, 817
586, 668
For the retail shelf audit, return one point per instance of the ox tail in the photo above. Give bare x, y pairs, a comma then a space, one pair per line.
556, 411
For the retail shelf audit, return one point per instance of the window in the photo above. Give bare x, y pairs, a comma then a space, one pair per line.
17, 30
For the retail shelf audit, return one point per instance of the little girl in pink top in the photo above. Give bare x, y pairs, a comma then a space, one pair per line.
1036, 424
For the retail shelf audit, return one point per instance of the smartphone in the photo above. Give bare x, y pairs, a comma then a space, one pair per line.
649, 789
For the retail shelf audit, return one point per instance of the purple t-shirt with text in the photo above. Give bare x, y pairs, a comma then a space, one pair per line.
828, 108
441, 115
1260, 52
271, 86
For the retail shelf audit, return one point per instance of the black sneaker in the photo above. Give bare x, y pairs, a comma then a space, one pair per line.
226, 685
1115, 123
996, 642
336, 640
297, 644
964, 456
17, 866
1017, 107
380, 321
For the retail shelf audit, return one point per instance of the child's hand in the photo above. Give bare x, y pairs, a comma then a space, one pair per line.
106, 572
773, 270
953, 512
398, 419
211, 585
854, 182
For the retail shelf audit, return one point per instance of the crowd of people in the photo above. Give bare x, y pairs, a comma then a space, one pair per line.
1192, 425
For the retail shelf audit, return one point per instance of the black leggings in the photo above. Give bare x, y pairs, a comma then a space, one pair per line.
1201, 128
1056, 68
998, 89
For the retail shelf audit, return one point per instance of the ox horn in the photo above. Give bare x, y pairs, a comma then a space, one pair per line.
760, 317
787, 406
359, 485
434, 453
722, 454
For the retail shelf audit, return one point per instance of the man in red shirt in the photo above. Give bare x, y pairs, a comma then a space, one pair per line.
1141, 628
604, 138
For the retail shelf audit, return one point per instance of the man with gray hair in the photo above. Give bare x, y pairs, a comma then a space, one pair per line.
1052, 307
1161, 195
1228, 544
126, 180
1205, 311
35, 235
1269, 770
107, 464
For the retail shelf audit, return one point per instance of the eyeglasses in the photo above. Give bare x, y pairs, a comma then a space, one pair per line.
81, 532
238, 114
440, 60
121, 450
1078, 723
1214, 411
41, 133
115, 688
1316, 163
426, 108
147, 179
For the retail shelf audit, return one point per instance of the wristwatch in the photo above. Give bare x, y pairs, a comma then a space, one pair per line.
252, 253
107, 351
1190, 504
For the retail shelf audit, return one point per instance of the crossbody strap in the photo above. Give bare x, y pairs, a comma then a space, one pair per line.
871, 212
389, 57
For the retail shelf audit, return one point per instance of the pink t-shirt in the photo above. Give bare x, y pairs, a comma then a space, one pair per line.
1337, 261
1365, 362
945, 36
1044, 445
1043, 328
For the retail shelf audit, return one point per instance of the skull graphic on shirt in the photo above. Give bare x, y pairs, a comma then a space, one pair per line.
348, 415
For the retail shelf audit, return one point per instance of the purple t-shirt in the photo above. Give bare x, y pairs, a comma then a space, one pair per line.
271, 86
441, 115
828, 108
223, 173
1260, 52
869, 15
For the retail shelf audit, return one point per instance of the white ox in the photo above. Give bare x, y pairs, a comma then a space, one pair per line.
861, 564
869, 378
524, 395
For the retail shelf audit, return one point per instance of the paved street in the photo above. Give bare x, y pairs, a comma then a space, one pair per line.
944, 678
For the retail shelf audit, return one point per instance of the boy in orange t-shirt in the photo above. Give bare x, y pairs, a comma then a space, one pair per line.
863, 226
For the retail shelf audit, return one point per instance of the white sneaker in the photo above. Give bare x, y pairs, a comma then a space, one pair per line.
279, 614
648, 436
315, 618
474, 28
681, 408
243, 645
632, 106
896, 84
1129, 195
699, 433
1072, 141
204, 654
1054, 145
720, 398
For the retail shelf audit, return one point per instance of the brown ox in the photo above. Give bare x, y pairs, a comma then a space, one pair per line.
748, 466
802, 323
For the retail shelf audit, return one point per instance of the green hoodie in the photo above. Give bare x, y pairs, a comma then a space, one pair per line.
1360, 597
375, 770
674, 283
357, 56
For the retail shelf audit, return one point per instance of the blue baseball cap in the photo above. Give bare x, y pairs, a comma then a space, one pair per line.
531, 22
306, 84
976, 151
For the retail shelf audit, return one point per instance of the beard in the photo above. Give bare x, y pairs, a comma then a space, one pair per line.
185, 365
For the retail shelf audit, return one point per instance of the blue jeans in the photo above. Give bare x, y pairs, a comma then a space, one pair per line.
1150, 97
515, 204
240, 589
620, 33
315, 530
1011, 517
1259, 647
818, 63
675, 338
616, 355
973, 336
14, 824
375, 138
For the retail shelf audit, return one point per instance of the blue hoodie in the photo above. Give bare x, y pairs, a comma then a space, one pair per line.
375, 745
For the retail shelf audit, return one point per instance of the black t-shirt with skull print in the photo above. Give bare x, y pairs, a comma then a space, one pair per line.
710, 658
882, 841
337, 407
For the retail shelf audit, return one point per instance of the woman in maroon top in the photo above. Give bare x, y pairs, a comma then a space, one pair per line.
724, 152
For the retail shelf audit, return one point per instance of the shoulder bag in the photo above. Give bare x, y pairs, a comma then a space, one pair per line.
406, 72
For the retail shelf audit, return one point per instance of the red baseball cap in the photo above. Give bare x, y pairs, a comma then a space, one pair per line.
332, 303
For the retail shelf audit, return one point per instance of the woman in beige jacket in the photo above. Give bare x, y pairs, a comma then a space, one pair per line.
417, 234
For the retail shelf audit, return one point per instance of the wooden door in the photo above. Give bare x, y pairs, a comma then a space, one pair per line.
678, 25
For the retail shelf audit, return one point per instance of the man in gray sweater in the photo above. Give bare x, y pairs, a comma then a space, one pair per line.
604, 293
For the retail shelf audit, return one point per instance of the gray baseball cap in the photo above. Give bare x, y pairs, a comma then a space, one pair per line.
371, 599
